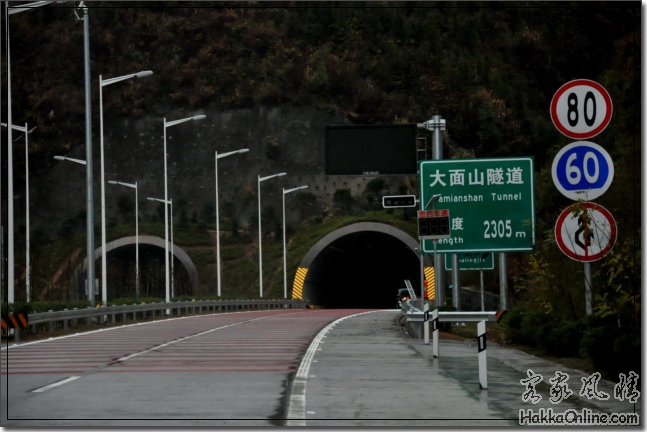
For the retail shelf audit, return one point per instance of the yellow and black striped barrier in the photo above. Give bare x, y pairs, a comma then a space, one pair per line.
14, 320
431, 283
297, 287
499, 315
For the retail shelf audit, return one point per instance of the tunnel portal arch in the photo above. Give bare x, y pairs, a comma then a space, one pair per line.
359, 265
130, 241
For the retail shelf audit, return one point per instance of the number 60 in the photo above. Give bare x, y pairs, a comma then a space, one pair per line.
574, 173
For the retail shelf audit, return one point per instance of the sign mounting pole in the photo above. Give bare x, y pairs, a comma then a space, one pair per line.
583, 170
436, 125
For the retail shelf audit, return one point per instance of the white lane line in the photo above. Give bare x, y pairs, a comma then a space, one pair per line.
56, 384
297, 406
165, 344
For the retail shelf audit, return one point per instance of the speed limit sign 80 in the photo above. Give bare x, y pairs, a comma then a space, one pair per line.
581, 109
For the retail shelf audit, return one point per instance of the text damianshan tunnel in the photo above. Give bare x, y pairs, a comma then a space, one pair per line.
359, 266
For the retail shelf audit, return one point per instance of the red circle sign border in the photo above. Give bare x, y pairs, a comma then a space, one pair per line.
605, 122
569, 253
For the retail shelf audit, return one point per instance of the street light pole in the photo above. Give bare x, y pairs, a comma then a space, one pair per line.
104, 270
220, 156
166, 265
26, 131
285, 283
89, 176
133, 186
10, 213
90, 258
166, 251
260, 239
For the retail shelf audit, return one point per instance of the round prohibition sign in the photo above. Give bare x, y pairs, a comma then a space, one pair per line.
588, 237
581, 109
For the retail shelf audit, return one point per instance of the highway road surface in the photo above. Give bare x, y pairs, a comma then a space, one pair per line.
228, 369
302, 368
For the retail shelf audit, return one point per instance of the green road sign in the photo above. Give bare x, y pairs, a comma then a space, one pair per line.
491, 203
473, 261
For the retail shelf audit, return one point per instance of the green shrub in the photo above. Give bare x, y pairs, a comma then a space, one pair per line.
611, 349
562, 338
511, 325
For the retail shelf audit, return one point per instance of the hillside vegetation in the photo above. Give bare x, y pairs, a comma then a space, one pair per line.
489, 68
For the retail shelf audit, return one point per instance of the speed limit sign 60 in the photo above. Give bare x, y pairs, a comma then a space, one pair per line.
581, 109
582, 170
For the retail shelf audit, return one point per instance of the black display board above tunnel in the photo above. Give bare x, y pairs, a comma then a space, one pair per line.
371, 149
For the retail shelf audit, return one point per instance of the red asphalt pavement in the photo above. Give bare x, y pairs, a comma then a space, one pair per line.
126, 375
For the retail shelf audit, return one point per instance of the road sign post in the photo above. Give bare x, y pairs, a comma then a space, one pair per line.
581, 109
491, 203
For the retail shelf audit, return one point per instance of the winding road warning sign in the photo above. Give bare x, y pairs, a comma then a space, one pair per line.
587, 236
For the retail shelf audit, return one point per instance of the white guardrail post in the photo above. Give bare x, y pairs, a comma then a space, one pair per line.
480, 330
414, 314
435, 333
426, 326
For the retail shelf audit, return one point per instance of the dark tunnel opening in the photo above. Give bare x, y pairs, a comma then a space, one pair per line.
121, 266
362, 270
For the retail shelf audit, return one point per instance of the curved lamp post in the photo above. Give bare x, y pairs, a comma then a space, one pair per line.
166, 203
25, 129
285, 280
133, 186
260, 240
90, 283
12, 10
168, 124
102, 84
220, 156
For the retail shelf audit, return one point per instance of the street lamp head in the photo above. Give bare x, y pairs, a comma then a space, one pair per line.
63, 158
28, 6
433, 200
182, 120
245, 150
143, 74
120, 183
287, 191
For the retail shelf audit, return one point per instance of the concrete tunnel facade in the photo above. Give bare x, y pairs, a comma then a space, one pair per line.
79, 275
360, 265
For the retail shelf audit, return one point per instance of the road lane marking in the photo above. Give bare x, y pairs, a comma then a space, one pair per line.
164, 345
56, 384
297, 406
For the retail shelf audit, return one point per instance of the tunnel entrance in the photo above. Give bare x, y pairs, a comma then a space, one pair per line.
360, 266
120, 260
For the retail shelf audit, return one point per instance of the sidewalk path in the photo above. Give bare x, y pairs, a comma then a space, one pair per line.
366, 372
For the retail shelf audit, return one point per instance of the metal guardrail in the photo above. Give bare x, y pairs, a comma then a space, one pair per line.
72, 317
423, 319
414, 314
